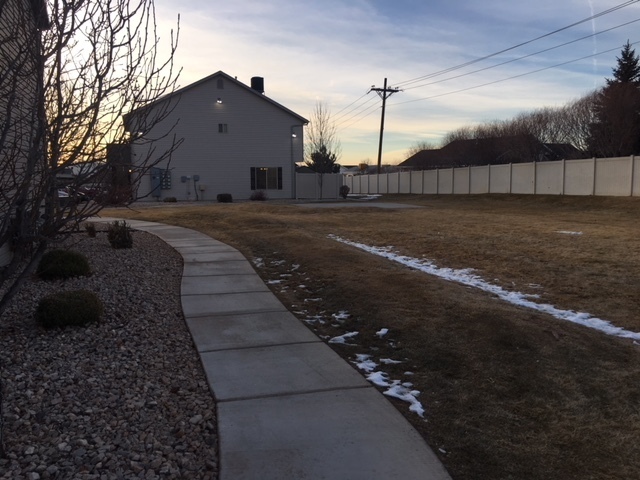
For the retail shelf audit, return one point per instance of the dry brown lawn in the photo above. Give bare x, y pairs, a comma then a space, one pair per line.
509, 393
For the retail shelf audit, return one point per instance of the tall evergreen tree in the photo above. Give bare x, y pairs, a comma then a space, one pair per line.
628, 68
615, 131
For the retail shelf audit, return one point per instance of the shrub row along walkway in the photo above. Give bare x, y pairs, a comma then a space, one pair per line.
288, 406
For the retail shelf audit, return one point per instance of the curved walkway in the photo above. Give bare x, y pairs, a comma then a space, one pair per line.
288, 406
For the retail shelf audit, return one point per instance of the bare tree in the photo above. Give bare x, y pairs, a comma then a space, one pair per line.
322, 148
93, 63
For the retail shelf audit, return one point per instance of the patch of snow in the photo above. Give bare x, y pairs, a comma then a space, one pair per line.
566, 232
341, 316
382, 332
388, 361
465, 277
273, 282
312, 300
343, 339
364, 363
409, 373
258, 262
379, 378
295, 267
285, 275
406, 395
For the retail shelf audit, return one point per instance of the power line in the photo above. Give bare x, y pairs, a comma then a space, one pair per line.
524, 56
471, 62
513, 76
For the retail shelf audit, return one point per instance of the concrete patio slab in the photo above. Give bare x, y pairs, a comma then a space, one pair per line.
222, 284
278, 370
226, 303
225, 332
352, 434
229, 267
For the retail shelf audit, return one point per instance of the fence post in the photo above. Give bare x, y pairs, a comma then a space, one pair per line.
535, 177
489, 179
453, 180
595, 172
633, 167
564, 175
437, 181
510, 178
469, 186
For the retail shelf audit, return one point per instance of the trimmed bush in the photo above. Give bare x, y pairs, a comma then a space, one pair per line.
344, 191
224, 198
91, 229
170, 199
61, 264
71, 308
119, 235
258, 196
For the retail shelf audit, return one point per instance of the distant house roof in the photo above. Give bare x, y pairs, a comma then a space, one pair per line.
491, 151
229, 78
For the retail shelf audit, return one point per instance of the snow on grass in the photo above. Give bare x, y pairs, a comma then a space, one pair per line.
344, 339
258, 262
397, 390
364, 363
389, 361
382, 332
566, 232
466, 277
273, 282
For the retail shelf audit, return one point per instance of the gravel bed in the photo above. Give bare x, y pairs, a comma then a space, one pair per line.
125, 398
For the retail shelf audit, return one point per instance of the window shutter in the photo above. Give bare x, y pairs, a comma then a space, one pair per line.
279, 178
253, 178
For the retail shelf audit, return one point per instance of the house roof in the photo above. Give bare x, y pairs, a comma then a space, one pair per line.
229, 78
491, 151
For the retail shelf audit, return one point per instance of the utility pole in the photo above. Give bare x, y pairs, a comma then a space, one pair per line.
383, 93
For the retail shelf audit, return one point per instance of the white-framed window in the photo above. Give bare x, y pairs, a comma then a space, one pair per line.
266, 178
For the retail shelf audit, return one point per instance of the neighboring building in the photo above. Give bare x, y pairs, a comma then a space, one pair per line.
491, 151
21, 22
234, 140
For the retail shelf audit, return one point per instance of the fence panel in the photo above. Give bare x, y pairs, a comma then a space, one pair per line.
635, 182
523, 178
461, 181
405, 182
479, 181
393, 180
613, 176
500, 178
579, 177
445, 181
430, 181
416, 182
549, 178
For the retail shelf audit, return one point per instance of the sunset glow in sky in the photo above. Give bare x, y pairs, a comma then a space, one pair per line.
333, 51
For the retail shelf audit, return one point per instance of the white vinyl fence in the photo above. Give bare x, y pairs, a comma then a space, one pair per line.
318, 187
593, 176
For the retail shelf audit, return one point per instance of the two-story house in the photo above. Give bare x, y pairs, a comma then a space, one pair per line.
234, 139
21, 139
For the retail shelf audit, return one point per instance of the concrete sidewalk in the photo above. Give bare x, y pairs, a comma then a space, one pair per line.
288, 406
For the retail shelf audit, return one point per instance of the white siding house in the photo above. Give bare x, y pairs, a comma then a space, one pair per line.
20, 88
235, 140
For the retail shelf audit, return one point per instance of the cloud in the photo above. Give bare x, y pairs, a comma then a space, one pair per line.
333, 51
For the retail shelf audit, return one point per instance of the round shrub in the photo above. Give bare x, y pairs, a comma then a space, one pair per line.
258, 196
224, 198
170, 199
62, 264
71, 308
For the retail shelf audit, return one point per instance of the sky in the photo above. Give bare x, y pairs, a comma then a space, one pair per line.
334, 51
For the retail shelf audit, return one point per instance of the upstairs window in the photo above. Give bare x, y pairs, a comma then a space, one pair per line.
220, 84
223, 128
